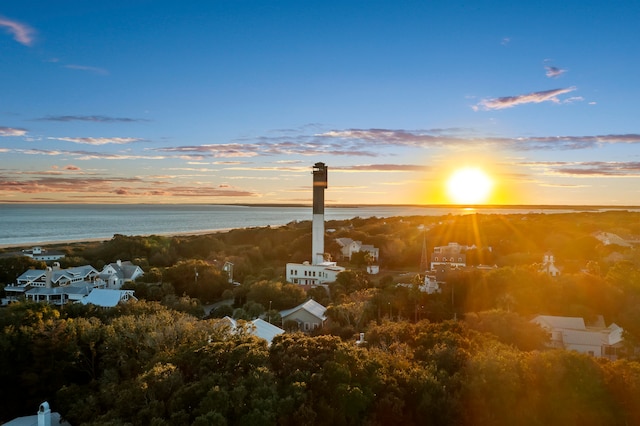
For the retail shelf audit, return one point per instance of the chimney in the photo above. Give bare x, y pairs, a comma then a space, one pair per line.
48, 274
44, 414
119, 262
319, 185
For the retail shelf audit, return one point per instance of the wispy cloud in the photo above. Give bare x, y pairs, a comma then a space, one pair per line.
90, 118
95, 70
511, 101
12, 131
21, 33
554, 72
56, 182
588, 168
98, 141
382, 168
505, 41
422, 139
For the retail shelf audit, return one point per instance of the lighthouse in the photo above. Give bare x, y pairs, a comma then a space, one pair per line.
318, 271
319, 185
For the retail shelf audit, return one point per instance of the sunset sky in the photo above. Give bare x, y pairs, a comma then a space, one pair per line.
232, 101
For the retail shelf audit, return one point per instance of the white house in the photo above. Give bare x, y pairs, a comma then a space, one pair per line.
430, 285
116, 274
548, 265
308, 274
257, 327
572, 334
348, 247
61, 286
40, 284
309, 315
39, 253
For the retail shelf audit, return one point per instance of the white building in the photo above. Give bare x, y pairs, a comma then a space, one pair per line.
308, 274
348, 247
452, 255
38, 253
40, 284
61, 286
572, 334
257, 327
548, 265
116, 274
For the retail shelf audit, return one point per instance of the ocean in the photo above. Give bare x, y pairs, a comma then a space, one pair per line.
30, 224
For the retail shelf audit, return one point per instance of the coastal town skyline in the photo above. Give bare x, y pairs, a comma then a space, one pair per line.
234, 101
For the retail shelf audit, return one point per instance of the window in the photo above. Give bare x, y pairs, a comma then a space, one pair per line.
307, 326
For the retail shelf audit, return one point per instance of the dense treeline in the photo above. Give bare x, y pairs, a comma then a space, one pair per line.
144, 364
162, 363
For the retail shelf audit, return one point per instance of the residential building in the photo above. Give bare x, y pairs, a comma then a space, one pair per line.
39, 253
116, 274
61, 286
258, 327
348, 247
308, 274
309, 315
571, 333
548, 265
452, 255
39, 284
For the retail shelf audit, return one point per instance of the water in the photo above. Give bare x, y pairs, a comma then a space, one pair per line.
30, 224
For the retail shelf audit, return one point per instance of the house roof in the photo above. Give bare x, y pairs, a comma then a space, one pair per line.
311, 306
261, 328
573, 323
106, 298
125, 270
344, 241
265, 330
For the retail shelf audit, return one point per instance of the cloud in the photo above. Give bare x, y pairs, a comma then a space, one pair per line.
589, 168
90, 118
22, 33
104, 186
554, 72
511, 101
383, 168
422, 139
371, 143
95, 70
11, 131
505, 41
98, 141
305, 145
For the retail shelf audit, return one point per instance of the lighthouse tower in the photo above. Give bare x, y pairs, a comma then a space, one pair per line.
319, 185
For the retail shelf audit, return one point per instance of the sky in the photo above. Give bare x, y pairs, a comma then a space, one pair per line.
233, 101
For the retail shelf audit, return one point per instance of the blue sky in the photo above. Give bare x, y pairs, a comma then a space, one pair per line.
234, 101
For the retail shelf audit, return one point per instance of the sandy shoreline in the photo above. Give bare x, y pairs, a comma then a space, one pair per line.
103, 239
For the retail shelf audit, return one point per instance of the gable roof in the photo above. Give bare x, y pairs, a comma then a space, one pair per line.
107, 298
311, 306
261, 328
573, 323
124, 270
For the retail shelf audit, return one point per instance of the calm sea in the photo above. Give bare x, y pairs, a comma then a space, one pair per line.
22, 225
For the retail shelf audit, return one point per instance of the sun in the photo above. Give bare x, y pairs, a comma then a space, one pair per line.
469, 186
